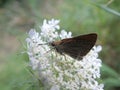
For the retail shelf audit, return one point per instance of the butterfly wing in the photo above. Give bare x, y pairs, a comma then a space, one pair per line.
79, 46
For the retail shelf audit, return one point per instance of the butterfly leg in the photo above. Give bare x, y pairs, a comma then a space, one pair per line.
79, 57
64, 56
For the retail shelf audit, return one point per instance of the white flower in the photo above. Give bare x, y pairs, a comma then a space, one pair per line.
34, 63
64, 34
97, 49
48, 29
55, 87
56, 71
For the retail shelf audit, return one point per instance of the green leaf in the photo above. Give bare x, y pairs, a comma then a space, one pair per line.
111, 82
109, 71
106, 8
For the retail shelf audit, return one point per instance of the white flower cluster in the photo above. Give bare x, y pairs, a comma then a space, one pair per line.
58, 72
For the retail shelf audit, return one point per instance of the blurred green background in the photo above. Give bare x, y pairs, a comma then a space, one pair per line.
77, 16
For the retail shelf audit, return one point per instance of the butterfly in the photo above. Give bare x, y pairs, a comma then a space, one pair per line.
76, 47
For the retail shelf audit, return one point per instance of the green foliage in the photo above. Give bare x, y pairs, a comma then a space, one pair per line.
77, 16
111, 78
106, 8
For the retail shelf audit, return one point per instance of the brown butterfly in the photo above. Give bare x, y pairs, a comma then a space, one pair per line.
76, 47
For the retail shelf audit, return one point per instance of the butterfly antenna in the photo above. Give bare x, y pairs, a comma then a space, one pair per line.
44, 44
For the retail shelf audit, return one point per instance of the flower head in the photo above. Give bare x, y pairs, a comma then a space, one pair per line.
62, 72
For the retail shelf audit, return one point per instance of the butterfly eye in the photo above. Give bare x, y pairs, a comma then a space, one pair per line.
52, 44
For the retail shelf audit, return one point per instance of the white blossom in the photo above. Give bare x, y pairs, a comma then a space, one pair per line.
64, 34
62, 72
